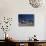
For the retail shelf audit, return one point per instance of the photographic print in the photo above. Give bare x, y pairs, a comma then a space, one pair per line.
26, 19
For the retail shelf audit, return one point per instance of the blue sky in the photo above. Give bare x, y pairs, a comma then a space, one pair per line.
26, 16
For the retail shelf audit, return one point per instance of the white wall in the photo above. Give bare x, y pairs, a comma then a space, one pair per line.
11, 8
